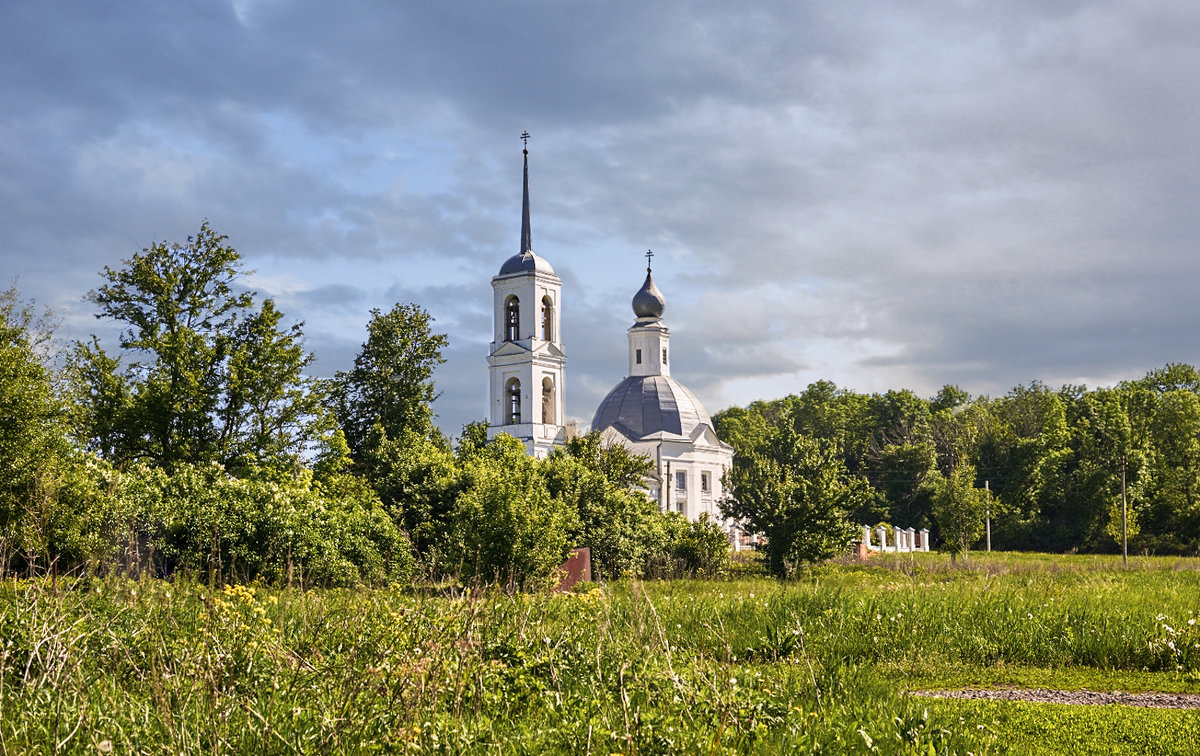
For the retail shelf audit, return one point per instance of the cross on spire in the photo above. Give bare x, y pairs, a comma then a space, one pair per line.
525, 140
649, 254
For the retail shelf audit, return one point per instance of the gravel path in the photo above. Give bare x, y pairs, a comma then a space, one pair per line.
1077, 697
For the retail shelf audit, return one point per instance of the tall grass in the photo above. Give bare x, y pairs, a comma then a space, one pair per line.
663, 667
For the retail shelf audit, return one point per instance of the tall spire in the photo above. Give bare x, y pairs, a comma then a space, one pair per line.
526, 233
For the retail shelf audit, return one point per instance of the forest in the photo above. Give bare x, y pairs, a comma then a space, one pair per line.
1052, 465
198, 443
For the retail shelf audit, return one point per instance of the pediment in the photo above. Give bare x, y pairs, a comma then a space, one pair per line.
704, 434
509, 348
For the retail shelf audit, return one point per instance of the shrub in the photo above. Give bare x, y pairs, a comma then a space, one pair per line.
276, 527
688, 549
507, 529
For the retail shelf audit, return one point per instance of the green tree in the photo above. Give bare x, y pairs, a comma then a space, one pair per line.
391, 384
795, 491
268, 409
1106, 437
31, 411
958, 508
1172, 514
272, 526
472, 441
1028, 457
613, 517
417, 480
59, 509
383, 406
507, 528
207, 375
901, 453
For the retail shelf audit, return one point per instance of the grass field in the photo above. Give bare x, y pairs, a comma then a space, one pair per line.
822, 664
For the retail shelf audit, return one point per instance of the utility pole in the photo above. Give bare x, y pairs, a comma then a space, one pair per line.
1124, 531
667, 487
988, 516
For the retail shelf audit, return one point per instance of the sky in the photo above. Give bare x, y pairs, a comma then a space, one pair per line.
885, 195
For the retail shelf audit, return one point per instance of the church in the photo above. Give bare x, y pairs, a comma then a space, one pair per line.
649, 411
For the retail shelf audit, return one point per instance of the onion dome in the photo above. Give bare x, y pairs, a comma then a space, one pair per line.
649, 302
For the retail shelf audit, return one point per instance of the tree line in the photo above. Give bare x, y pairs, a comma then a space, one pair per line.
198, 443
1049, 465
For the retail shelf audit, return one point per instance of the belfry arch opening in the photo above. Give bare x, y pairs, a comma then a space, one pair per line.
547, 318
512, 402
548, 401
512, 318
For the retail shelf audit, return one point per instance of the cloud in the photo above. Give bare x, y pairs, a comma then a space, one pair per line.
886, 196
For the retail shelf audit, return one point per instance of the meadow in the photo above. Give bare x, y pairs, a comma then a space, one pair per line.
826, 663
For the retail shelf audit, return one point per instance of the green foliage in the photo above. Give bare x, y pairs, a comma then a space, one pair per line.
958, 508
54, 511
507, 529
205, 375
32, 431
795, 491
383, 406
473, 441
417, 480
692, 548
69, 511
391, 385
612, 514
275, 527
85, 516
1052, 458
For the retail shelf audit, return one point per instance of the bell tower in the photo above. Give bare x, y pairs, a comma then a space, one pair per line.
526, 360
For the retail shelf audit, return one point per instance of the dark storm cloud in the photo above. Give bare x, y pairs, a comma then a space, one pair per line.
978, 193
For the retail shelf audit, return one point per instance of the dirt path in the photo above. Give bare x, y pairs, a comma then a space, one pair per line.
1077, 697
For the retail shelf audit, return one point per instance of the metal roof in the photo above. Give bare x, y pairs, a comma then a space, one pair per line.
643, 405
649, 301
525, 262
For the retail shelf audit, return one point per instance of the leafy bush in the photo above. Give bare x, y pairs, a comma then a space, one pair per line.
507, 529
276, 527
700, 547
613, 518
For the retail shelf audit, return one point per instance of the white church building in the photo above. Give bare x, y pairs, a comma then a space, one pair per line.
650, 412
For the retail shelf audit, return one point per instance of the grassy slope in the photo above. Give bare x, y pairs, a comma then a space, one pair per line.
822, 664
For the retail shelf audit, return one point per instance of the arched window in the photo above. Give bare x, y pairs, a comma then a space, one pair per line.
547, 318
512, 319
512, 402
548, 401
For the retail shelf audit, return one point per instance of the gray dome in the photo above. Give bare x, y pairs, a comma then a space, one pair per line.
643, 405
524, 263
649, 302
